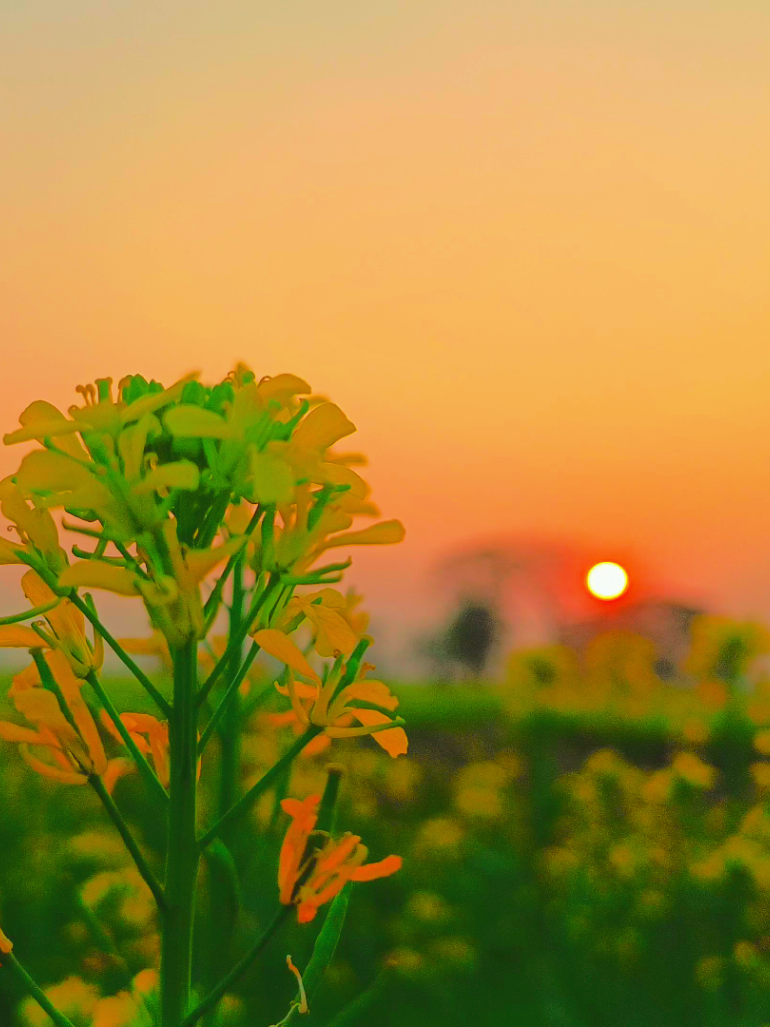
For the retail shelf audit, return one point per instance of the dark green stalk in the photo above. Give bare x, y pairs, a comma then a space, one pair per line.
36, 991
243, 964
143, 766
247, 800
128, 839
182, 849
120, 652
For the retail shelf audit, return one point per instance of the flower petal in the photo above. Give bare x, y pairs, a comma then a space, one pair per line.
373, 871
95, 574
385, 533
16, 636
280, 646
321, 428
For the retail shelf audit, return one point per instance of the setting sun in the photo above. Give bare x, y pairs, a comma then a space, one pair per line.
607, 580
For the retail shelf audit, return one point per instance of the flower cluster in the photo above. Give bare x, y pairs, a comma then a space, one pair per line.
214, 507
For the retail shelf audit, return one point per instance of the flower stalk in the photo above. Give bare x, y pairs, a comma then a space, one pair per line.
172, 485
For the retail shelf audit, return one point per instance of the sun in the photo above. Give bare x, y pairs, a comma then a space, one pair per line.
607, 580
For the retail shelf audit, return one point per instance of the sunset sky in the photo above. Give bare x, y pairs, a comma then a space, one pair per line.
525, 246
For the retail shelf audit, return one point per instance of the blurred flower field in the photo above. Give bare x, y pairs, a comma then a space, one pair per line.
585, 844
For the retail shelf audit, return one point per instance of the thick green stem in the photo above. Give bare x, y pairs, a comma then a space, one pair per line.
36, 991
182, 849
224, 912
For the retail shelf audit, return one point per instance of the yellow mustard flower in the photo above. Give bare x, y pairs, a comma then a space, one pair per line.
693, 770
76, 751
36, 530
66, 628
329, 704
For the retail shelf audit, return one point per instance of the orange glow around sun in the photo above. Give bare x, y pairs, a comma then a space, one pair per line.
607, 580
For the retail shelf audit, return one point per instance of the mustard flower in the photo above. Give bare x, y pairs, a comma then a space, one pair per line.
309, 877
330, 704
74, 749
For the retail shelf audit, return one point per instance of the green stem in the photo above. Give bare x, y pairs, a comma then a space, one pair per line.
142, 765
36, 611
182, 849
128, 839
239, 969
229, 699
247, 800
230, 760
234, 646
224, 913
36, 992
211, 606
122, 655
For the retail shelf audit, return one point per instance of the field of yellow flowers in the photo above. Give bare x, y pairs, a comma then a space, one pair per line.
585, 844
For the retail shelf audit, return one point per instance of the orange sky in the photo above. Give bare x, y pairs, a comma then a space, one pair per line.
524, 246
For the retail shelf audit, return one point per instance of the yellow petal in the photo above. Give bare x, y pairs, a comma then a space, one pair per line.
272, 479
283, 388
95, 574
41, 708
45, 471
187, 420
376, 692
200, 562
16, 636
321, 428
383, 534
131, 444
15, 733
9, 553
70, 690
337, 474
54, 428
393, 740
181, 474
49, 422
37, 524
280, 646
36, 590
334, 633
67, 777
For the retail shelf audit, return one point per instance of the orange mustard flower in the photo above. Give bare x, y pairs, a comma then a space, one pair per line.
309, 877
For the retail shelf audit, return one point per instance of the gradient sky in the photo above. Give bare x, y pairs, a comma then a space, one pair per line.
524, 245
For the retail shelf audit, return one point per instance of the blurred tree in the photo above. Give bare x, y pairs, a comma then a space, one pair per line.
464, 648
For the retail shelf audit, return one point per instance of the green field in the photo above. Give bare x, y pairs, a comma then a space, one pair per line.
562, 868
